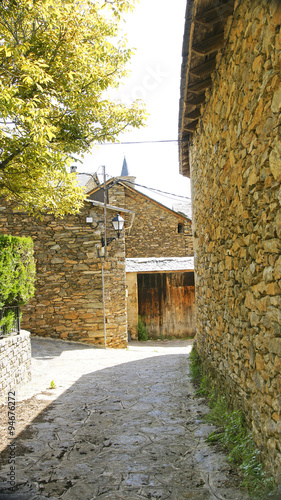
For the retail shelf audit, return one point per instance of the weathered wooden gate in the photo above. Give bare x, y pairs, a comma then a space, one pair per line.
166, 303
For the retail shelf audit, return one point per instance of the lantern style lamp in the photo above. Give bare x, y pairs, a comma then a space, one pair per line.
118, 224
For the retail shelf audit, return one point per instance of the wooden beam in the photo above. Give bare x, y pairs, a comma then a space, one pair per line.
185, 140
198, 87
203, 69
190, 127
195, 100
209, 45
186, 171
215, 15
185, 158
193, 115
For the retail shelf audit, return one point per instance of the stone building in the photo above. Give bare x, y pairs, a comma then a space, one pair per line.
156, 231
72, 278
229, 131
161, 292
159, 260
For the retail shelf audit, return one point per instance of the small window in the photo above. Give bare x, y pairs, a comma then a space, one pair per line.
180, 227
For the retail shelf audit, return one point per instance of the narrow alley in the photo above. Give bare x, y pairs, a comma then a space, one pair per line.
120, 424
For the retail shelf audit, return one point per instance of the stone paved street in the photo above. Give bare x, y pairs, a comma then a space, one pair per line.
121, 424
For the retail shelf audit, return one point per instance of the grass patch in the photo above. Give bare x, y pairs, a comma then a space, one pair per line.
232, 434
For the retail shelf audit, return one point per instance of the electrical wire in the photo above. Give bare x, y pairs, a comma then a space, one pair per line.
139, 185
146, 187
136, 142
159, 191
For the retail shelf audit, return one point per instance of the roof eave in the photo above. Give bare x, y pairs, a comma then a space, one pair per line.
125, 184
203, 38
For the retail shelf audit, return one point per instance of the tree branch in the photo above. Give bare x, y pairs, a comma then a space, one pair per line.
4, 163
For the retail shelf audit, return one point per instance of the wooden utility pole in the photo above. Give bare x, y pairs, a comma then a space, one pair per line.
105, 207
105, 254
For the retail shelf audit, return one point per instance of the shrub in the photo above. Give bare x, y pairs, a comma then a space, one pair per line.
142, 334
17, 270
8, 321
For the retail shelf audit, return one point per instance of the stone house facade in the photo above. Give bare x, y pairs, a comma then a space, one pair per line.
68, 302
156, 231
163, 294
229, 131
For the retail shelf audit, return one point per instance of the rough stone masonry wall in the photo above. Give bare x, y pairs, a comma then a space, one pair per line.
155, 229
15, 363
68, 299
236, 175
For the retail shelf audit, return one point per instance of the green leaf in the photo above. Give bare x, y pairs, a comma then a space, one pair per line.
17, 270
58, 60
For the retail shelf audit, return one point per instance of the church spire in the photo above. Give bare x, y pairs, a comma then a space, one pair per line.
125, 171
125, 176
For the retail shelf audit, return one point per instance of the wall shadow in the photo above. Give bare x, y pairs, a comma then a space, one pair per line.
53, 347
104, 433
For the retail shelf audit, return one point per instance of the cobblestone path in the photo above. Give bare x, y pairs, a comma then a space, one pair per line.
121, 425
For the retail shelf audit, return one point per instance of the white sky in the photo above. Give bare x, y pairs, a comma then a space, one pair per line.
155, 30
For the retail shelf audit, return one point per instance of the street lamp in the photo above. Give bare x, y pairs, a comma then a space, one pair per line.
118, 224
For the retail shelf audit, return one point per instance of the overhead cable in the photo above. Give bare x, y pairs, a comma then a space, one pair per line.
135, 142
139, 185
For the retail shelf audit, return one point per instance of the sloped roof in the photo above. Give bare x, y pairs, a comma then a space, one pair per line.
164, 264
82, 179
109, 207
204, 37
131, 187
86, 180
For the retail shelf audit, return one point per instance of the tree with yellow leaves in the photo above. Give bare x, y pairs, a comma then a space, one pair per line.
57, 60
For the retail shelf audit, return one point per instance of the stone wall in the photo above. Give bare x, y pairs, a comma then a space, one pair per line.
236, 174
68, 300
154, 232
132, 304
15, 363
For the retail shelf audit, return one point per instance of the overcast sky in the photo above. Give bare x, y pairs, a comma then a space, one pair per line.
155, 30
